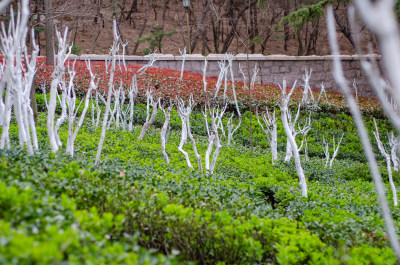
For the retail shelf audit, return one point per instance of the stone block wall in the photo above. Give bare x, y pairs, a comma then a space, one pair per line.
272, 68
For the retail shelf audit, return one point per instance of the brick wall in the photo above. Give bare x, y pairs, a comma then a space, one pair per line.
272, 68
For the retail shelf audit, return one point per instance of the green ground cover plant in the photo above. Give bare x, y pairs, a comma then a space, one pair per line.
136, 209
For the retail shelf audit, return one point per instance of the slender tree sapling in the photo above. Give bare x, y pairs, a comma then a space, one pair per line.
284, 114
271, 131
388, 162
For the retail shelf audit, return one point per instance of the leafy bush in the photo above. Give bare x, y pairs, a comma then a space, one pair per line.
361, 172
117, 206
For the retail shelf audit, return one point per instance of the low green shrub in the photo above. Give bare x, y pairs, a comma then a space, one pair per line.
361, 172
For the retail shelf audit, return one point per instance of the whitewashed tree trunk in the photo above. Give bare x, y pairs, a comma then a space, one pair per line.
184, 139
380, 18
98, 110
154, 104
123, 111
271, 131
92, 112
17, 72
133, 92
27, 86
196, 153
183, 54
329, 160
230, 60
284, 114
5, 140
388, 162
292, 126
307, 89
63, 117
218, 147
369, 10
335, 149
232, 129
289, 150
274, 143
19, 117
300, 130
208, 152
4, 4
221, 76
184, 111
204, 69
306, 149
394, 144
71, 118
326, 151
117, 94
216, 114
164, 129
57, 77
72, 136
390, 176
32, 126
322, 92
113, 53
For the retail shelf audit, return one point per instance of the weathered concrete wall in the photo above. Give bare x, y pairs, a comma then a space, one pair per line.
273, 68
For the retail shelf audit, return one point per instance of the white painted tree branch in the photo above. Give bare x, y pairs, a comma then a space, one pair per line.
382, 90
154, 104
362, 131
380, 18
232, 129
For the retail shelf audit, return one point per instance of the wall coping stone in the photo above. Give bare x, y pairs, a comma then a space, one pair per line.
218, 57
